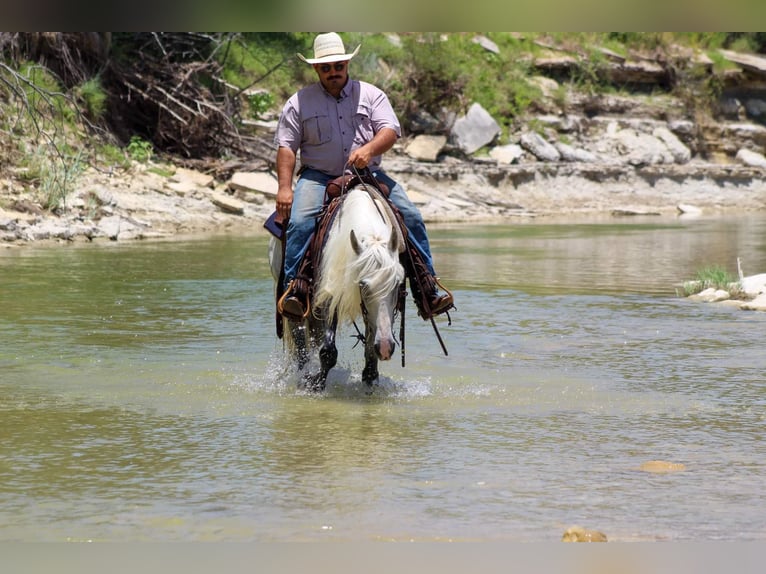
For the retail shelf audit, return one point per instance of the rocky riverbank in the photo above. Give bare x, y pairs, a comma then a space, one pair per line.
162, 201
576, 155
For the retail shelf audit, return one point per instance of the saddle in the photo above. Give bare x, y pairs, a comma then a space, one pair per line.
421, 281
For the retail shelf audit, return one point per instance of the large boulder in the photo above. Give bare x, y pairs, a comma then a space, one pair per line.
426, 147
475, 129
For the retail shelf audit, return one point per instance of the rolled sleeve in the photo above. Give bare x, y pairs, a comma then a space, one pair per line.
289, 129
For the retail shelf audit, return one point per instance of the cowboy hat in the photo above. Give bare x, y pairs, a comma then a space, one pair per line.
329, 48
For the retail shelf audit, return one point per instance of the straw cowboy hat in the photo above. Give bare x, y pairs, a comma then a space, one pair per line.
329, 48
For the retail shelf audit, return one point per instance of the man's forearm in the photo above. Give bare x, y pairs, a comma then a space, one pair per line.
285, 166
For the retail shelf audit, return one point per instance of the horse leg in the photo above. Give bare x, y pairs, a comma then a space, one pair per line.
301, 346
370, 372
328, 355
328, 352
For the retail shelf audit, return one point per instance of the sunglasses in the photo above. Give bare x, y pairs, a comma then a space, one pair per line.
338, 67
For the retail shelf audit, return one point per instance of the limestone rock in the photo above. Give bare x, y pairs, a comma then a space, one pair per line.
426, 147
181, 188
757, 304
569, 153
486, 43
228, 203
751, 158
475, 129
260, 182
687, 209
680, 153
537, 146
638, 148
506, 154
754, 285
184, 175
711, 295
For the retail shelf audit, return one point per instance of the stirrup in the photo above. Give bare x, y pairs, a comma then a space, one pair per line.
451, 305
287, 295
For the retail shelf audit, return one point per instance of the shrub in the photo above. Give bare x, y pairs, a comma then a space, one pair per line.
92, 98
139, 149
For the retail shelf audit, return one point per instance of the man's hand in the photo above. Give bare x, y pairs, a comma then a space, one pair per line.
284, 201
360, 157
380, 144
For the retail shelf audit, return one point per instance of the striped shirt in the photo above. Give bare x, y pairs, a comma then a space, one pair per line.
326, 129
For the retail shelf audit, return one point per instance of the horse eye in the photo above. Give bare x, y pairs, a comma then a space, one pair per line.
364, 286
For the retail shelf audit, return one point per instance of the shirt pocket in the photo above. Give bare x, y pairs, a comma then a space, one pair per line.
317, 130
363, 130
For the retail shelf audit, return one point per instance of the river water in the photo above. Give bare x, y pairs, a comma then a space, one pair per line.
143, 395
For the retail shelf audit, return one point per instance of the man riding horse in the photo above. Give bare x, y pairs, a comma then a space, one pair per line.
339, 124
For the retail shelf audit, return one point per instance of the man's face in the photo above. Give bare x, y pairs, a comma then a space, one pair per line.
333, 76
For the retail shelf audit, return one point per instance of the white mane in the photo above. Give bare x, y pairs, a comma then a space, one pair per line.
341, 269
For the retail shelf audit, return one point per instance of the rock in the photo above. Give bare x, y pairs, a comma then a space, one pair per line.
228, 203
49, 229
751, 158
580, 534
7, 224
548, 86
426, 147
711, 295
755, 107
486, 43
260, 182
475, 129
421, 122
506, 154
26, 206
639, 149
110, 227
184, 175
537, 146
757, 304
753, 285
662, 466
686, 209
680, 153
181, 188
569, 153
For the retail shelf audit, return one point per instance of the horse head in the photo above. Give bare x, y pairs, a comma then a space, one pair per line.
379, 291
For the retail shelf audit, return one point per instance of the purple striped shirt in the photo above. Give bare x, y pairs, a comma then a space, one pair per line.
326, 130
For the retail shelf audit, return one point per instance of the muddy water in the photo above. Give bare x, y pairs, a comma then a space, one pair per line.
143, 395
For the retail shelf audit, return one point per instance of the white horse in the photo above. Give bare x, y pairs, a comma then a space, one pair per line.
358, 275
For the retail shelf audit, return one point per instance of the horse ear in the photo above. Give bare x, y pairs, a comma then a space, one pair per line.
355, 243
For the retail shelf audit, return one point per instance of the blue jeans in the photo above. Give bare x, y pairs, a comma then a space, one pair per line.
308, 197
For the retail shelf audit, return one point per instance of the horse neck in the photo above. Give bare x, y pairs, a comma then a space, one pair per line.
339, 278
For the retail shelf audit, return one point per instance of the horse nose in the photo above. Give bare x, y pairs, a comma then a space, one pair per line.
385, 349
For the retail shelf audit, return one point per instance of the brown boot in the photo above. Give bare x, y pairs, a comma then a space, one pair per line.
438, 303
294, 304
441, 303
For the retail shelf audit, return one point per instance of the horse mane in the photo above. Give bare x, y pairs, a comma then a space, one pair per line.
341, 269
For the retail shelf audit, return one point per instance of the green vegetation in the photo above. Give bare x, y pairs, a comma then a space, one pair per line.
714, 277
139, 149
134, 96
92, 97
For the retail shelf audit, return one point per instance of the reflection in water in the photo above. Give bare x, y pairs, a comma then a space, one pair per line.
143, 395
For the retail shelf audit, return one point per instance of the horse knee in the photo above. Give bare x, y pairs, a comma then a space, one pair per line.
328, 355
